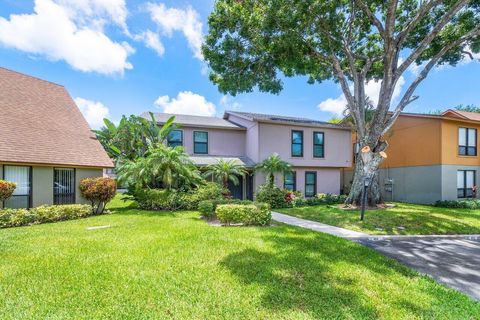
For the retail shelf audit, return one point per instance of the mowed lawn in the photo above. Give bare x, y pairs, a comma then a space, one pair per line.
160, 265
404, 218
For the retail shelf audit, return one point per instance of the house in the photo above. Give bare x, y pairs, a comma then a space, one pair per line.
317, 150
430, 157
46, 146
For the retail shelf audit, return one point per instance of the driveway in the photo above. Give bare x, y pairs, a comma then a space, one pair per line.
453, 261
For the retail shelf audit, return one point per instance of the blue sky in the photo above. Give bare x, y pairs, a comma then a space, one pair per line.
120, 57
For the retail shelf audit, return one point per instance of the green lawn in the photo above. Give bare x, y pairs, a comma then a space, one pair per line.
153, 265
415, 219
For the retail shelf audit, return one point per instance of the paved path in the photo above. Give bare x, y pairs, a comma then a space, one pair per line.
451, 260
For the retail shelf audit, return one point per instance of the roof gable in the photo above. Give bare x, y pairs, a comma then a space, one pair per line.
40, 124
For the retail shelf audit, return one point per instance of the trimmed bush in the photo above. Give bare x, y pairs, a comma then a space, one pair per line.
22, 217
6, 189
160, 199
459, 204
250, 214
272, 195
207, 208
99, 191
210, 191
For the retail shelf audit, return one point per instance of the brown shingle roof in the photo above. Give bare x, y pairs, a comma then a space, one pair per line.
40, 124
473, 116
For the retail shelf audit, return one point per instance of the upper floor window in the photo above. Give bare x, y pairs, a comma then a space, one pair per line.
467, 141
175, 138
465, 183
200, 142
290, 181
318, 144
297, 143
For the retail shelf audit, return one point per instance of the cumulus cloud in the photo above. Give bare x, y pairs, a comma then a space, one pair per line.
228, 103
152, 41
187, 21
372, 90
70, 30
186, 102
93, 111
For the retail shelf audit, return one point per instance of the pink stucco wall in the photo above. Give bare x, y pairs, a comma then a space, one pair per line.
251, 137
221, 142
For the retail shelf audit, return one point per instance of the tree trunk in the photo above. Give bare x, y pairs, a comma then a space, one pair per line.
366, 168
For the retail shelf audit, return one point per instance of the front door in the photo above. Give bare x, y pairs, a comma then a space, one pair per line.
236, 190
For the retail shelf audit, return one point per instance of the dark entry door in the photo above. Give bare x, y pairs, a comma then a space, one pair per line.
236, 190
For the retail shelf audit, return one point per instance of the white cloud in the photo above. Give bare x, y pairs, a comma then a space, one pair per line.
59, 32
152, 41
228, 103
186, 102
372, 90
186, 21
94, 112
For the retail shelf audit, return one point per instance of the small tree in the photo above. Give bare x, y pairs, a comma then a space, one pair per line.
6, 189
99, 191
224, 171
271, 165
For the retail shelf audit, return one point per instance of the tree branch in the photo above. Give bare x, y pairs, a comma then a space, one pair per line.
407, 97
372, 17
429, 38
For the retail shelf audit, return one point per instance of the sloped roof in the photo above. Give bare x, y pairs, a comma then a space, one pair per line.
40, 124
260, 117
208, 160
193, 121
472, 116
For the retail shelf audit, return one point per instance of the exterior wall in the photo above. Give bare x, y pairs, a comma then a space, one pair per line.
221, 142
82, 173
450, 144
449, 179
414, 141
251, 136
277, 138
328, 179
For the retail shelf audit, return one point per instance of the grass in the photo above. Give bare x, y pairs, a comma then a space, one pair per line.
411, 218
162, 265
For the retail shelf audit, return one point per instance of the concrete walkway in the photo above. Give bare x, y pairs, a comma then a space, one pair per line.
451, 260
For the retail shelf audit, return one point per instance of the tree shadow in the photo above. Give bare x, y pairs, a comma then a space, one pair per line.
325, 276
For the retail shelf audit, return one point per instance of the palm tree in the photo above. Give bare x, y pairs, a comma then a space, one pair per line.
224, 171
271, 165
170, 167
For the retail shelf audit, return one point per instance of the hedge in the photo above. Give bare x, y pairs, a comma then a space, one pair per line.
249, 214
460, 204
43, 214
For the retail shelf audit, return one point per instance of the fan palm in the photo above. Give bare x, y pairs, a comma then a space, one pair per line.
271, 165
224, 171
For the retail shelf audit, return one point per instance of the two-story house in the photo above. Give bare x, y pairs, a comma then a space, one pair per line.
430, 158
316, 150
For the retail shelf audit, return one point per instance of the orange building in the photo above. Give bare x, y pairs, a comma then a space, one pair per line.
430, 158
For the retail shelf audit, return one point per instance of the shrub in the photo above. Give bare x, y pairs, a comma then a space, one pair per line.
160, 199
99, 191
207, 208
250, 214
272, 195
459, 204
6, 189
42, 214
209, 191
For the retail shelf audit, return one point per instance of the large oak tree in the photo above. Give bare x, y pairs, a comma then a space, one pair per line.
254, 44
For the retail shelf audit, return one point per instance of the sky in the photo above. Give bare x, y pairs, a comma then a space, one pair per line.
119, 57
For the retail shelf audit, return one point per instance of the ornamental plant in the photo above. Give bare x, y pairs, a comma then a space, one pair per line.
6, 189
99, 191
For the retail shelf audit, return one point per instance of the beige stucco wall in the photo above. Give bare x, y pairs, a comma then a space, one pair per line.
80, 174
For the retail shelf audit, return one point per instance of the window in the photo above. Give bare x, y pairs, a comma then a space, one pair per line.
290, 181
318, 145
297, 143
175, 138
22, 196
310, 183
465, 183
467, 142
200, 142
63, 185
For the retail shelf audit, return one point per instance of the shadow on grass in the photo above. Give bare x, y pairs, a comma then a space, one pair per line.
327, 277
